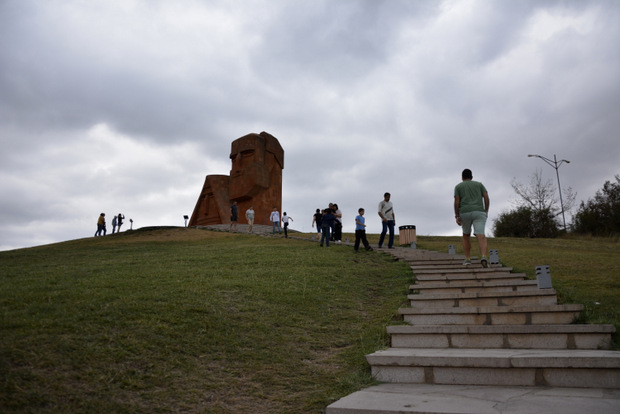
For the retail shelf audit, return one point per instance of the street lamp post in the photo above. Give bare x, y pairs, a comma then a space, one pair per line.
555, 164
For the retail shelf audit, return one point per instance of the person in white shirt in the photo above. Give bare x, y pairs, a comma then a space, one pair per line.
275, 220
388, 220
249, 215
285, 220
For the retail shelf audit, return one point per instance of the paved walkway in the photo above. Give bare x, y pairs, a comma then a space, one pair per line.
258, 229
467, 399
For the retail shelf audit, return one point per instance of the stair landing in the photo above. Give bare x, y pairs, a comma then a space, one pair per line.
471, 399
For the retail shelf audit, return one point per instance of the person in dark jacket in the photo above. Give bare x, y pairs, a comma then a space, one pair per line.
328, 222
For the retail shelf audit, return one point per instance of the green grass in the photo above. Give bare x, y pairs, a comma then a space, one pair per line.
186, 320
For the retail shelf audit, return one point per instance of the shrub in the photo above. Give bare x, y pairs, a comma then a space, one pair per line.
526, 222
600, 216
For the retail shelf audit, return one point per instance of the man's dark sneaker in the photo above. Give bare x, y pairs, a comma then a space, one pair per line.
484, 262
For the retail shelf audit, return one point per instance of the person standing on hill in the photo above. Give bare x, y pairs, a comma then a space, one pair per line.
100, 225
275, 221
119, 222
316, 218
337, 224
114, 222
234, 216
328, 221
471, 208
388, 220
360, 231
332, 209
249, 215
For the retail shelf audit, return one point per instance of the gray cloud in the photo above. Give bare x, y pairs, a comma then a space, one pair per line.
126, 106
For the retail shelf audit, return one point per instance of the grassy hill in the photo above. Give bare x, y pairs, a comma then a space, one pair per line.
188, 320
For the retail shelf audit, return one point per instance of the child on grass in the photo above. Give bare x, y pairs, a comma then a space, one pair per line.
360, 231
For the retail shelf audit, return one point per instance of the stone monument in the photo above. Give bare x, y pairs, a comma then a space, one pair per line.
255, 180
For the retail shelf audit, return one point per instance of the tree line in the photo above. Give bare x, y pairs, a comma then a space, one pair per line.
538, 213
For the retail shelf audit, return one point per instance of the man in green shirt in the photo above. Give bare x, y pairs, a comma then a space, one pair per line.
471, 208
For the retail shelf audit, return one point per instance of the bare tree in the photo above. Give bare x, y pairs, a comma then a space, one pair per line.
541, 195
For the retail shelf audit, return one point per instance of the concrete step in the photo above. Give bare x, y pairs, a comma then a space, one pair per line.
465, 286
419, 252
460, 269
426, 259
487, 298
417, 267
444, 261
505, 367
473, 276
493, 315
463, 270
572, 336
470, 399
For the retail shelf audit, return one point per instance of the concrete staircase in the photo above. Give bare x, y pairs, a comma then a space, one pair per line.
490, 332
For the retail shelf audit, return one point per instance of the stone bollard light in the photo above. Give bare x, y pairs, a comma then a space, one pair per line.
451, 249
543, 277
493, 257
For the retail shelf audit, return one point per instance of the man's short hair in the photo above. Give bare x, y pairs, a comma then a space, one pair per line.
386, 194
360, 210
467, 175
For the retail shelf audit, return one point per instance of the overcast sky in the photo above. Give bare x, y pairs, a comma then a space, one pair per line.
125, 106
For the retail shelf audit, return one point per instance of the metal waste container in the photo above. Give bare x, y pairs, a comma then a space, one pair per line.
406, 235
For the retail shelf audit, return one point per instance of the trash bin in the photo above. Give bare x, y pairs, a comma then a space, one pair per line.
406, 235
